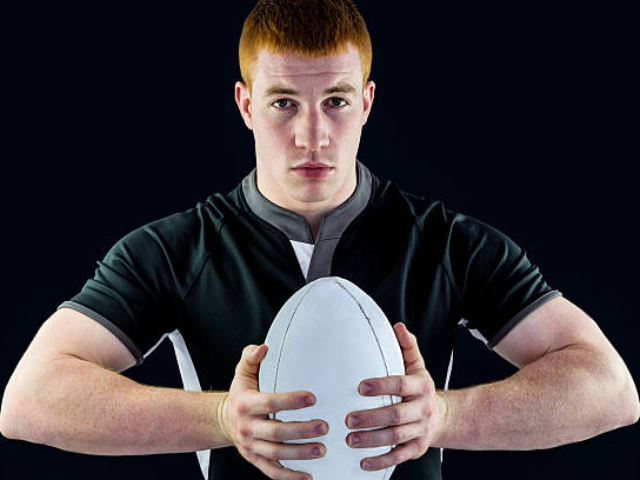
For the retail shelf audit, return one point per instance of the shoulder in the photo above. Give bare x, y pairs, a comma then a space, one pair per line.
429, 214
179, 243
180, 229
460, 235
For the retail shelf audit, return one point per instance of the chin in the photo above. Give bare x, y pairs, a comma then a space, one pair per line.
313, 194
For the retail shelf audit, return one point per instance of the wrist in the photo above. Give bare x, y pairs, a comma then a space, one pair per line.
223, 418
444, 411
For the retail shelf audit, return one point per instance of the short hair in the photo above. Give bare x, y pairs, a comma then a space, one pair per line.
311, 28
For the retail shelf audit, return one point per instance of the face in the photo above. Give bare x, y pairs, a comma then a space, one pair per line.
306, 111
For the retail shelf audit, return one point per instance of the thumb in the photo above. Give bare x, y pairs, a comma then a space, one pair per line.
413, 360
252, 355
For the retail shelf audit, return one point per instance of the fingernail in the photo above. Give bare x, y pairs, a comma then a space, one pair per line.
316, 451
355, 439
354, 421
321, 429
366, 465
366, 388
308, 400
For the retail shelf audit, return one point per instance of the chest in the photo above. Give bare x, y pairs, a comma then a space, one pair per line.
245, 282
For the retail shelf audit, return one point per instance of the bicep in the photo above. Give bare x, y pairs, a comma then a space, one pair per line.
556, 324
70, 333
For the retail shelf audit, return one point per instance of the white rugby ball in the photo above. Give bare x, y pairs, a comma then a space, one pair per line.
328, 337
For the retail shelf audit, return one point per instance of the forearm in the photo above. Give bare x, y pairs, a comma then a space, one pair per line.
80, 407
566, 396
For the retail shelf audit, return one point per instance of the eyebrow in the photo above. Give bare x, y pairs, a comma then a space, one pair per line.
282, 90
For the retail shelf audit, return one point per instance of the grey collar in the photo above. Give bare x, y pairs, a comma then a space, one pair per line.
295, 226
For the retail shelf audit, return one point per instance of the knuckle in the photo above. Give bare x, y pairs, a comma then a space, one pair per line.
241, 408
246, 444
404, 383
423, 446
282, 432
244, 430
396, 416
397, 436
420, 447
425, 428
427, 387
275, 432
247, 350
273, 454
413, 450
266, 466
268, 454
270, 405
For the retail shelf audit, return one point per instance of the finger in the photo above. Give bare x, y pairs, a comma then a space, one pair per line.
397, 414
385, 436
278, 431
265, 403
399, 385
274, 470
250, 360
396, 456
410, 351
285, 451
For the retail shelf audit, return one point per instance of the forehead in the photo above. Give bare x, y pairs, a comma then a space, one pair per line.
272, 66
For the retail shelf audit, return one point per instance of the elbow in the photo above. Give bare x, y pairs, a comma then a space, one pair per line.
15, 425
619, 405
633, 412
15, 417
635, 417
8, 422
629, 401
7, 430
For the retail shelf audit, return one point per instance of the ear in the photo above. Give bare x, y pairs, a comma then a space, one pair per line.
243, 100
367, 96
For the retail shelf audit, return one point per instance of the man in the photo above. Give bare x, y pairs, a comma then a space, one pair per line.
212, 279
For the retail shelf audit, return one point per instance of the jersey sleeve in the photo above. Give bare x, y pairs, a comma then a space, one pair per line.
132, 293
498, 284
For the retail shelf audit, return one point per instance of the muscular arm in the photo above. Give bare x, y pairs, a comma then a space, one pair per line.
572, 386
84, 405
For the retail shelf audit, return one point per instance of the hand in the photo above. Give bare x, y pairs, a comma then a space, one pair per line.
247, 425
417, 420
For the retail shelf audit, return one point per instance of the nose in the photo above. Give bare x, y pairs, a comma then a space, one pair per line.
312, 130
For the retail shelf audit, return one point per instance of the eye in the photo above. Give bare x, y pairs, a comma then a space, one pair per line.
280, 101
339, 100
336, 102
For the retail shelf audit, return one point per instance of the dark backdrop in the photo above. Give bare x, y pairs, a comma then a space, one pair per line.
519, 116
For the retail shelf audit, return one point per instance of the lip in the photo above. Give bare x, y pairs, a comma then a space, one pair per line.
313, 172
312, 165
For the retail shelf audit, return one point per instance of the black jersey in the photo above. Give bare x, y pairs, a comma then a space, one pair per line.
212, 279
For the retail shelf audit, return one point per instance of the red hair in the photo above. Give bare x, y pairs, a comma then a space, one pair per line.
312, 28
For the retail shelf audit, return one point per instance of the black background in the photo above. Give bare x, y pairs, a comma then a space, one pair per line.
524, 117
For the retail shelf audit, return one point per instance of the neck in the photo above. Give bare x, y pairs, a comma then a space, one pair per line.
313, 213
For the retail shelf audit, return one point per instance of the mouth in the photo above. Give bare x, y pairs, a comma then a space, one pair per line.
312, 165
313, 172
